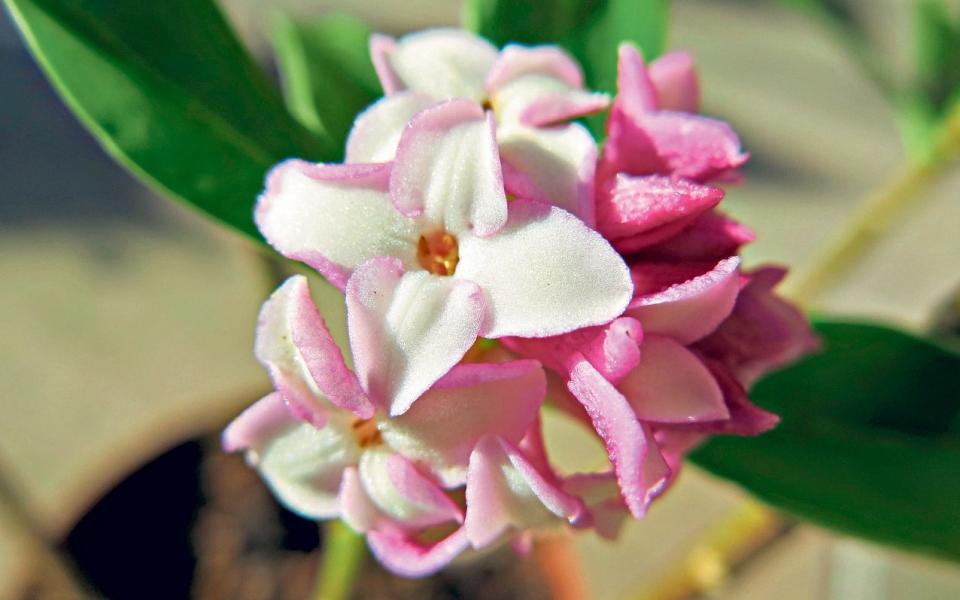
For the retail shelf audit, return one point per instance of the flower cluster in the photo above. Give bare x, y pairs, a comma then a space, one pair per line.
471, 208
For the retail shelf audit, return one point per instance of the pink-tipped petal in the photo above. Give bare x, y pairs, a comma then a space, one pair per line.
402, 493
712, 236
381, 47
505, 490
762, 333
613, 349
606, 513
558, 107
675, 80
641, 211
674, 302
376, 131
672, 385
312, 340
301, 463
517, 61
746, 418
408, 329
641, 471
553, 166
635, 92
442, 427
334, 217
407, 557
692, 146
257, 424
535, 286
304, 362
356, 508
448, 168
444, 63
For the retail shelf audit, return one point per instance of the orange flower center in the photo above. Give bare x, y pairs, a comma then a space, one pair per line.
438, 253
366, 433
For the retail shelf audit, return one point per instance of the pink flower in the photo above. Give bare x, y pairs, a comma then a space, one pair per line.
675, 366
329, 449
531, 93
476, 264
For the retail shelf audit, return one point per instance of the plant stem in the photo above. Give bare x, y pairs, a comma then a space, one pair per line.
343, 555
874, 216
561, 567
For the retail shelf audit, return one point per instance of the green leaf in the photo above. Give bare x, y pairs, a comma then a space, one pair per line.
869, 443
591, 31
327, 74
937, 39
169, 91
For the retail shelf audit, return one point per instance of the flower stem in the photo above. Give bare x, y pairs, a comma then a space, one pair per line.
874, 217
561, 567
343, 555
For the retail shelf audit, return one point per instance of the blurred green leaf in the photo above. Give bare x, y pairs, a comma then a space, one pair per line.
869, 443
169, 91
935, 88
326, 72
591, 30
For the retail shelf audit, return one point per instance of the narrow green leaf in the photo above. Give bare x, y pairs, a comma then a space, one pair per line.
169, 91
326, 72
869, 443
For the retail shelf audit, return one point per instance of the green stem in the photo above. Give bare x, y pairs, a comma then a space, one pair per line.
873, 218
343, 555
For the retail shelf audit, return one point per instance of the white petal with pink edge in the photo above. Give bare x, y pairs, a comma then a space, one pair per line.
408, 329
545, 273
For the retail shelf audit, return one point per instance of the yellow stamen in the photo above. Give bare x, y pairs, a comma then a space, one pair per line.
366, 433
438, 253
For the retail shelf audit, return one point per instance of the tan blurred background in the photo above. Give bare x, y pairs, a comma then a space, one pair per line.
126, 322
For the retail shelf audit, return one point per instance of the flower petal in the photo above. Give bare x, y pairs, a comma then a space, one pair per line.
293, 338
408, 329
444, 63
403, 493
613, 349
606, 512
293, 342
712, 236
356, 508
376, 131
407, 557
554, 166
641, 211
641, 471
557, 107
517, 61
691, 146
442, 427
762, 333
675, 80
505, 490
381, 47
448, 167
635, 92
334, 217
671, 302
301, 463
671, 385
571, 277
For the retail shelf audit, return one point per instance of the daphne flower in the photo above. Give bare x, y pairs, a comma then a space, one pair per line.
674, 367
329, 449
440, 208
528, 90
